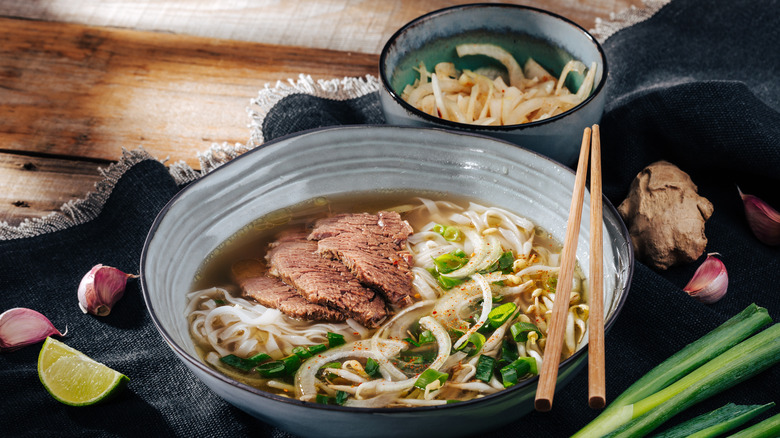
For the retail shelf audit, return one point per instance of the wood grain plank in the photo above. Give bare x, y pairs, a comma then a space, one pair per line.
32, 187
81, 91
360, 26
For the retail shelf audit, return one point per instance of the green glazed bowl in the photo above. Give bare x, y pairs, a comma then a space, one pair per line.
549, 39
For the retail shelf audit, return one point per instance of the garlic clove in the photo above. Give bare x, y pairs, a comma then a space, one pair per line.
20, 327
101, 288
710, 281
764, 220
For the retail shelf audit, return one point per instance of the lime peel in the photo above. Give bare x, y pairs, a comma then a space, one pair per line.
75, 379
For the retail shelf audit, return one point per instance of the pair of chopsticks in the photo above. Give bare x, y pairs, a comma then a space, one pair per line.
552, 350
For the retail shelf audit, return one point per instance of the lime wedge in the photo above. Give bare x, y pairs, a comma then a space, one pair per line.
73, 378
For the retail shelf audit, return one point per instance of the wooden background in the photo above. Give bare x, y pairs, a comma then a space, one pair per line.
80, 80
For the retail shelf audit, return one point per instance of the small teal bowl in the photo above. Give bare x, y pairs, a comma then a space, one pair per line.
375, 159
523, 31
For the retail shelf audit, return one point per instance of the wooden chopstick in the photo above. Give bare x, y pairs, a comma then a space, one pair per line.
597, 397
548, 375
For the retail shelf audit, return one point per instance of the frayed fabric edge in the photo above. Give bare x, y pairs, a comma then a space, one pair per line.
626, 18
78, 211
335, 89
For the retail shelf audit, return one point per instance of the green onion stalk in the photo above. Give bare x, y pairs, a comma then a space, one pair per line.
769, 428
717, 361
715, 423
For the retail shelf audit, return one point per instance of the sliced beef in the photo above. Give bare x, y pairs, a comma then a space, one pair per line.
274, 293
371, 247
388, 225
323, 281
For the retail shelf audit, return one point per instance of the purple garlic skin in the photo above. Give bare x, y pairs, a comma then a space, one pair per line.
20, 327
710, 281
763, 220
101, 288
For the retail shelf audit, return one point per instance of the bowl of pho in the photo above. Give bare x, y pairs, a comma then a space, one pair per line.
376, 280
513, 72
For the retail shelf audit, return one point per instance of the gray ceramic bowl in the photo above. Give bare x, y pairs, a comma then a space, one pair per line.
524, 31
336, 161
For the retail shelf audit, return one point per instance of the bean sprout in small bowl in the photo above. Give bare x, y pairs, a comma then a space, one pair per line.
513, 72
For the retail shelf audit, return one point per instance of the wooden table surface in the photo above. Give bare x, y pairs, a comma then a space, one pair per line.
82, 79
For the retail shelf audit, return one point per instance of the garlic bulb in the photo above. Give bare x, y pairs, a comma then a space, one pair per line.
762, 218
710, 281
20, 327
101, 288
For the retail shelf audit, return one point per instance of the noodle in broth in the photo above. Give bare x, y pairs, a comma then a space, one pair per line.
473, 330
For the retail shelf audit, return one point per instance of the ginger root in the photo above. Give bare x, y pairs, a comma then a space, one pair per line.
665, 216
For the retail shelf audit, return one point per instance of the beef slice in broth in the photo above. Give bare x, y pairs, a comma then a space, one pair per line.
371, 247
272, 292
323, 281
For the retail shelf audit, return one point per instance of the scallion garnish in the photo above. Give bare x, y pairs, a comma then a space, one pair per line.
322, 399
317, 348
271, 369
450, 233
473, 344
335, 339
448, 282
520, 331
245, 364
451, 261
429, 376
501, 314
485, 367
302, 352
512, 373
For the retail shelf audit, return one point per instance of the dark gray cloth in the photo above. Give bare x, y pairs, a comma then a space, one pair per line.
695, 85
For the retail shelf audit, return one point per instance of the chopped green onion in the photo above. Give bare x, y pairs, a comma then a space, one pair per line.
501, 314
219, 302
317, 348
291, 364
450, 233
271, 369
512, 373
372, 367
426, 337
245, 364
323, 399
451, 261
341, 397
485, 367
509, 353
429, 376
520, 331
448, 282
474, 343
335, 339
302, 352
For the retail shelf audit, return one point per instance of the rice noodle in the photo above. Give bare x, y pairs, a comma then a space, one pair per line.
222, 322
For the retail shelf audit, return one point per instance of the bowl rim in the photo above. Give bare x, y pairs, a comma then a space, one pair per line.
384, 79
183, 355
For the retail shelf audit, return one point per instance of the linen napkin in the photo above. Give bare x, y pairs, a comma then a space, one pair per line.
685, 85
